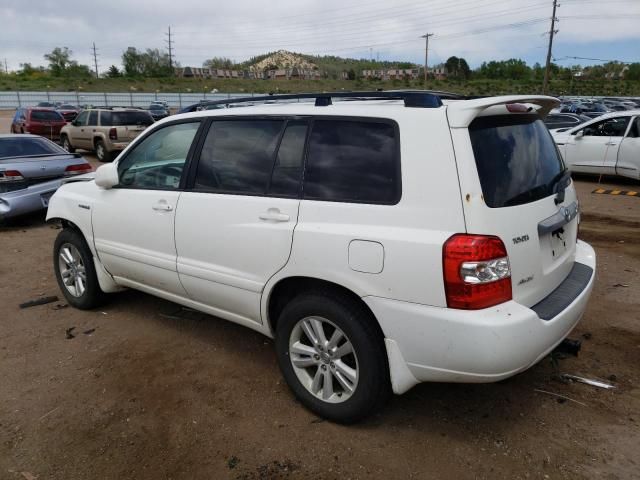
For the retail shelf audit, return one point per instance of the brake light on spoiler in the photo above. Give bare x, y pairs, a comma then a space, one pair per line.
477, 273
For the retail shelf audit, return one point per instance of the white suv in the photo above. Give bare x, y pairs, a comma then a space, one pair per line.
387, 240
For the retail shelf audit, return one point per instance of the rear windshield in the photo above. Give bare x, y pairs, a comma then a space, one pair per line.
516, 157
18, 147
46, 115
118, 119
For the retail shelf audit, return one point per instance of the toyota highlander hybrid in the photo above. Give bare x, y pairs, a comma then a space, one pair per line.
381, 238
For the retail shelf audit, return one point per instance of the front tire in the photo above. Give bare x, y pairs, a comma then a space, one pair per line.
101, 152
75, 271
332, 356
66, 144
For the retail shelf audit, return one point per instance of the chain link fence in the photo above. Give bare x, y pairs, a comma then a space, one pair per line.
16, 99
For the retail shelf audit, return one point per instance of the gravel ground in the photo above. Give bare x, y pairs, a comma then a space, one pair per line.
147, 390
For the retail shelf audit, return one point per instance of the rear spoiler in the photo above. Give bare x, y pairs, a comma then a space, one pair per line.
462, 112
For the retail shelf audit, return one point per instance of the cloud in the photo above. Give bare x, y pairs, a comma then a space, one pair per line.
389, 29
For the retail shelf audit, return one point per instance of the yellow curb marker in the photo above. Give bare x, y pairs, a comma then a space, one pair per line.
627, 193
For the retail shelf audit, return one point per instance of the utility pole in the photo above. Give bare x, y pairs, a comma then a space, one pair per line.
170, 47
95, 58
552, 32
6, 68
426, 54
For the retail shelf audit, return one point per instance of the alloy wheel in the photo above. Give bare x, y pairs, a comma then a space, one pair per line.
323, 359
72, 270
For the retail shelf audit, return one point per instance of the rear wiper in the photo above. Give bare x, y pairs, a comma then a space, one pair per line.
559, 183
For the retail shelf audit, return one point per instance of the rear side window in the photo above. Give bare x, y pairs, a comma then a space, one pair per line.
237, 156
287, 171
93, 118
353, 161
516, 157
46, 116
119, 119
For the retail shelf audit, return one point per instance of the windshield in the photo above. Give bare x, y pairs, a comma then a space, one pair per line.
46, 116
25, 146
516, 157
128, 118
156, 106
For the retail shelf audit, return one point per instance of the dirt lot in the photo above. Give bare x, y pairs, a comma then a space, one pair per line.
146, 390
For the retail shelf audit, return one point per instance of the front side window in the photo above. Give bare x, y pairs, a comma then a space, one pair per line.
353, 161
612, 127
237, 156
81, 119
158, 160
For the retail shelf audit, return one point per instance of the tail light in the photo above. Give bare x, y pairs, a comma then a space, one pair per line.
77, 169
11, 176
477, 273
113, 134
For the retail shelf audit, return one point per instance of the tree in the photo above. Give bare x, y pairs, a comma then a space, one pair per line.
59, 60
113, 72
351, 74
152, 63
457, 68
633, 73
132, 62
219, 62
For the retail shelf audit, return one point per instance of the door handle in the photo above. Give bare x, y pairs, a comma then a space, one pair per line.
274, 215
611, 143
162, 207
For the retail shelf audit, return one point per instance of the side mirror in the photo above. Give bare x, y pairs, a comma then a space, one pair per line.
107, 176
579, 134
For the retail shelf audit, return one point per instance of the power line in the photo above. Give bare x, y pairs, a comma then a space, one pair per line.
170, 47
95, 58
552, 32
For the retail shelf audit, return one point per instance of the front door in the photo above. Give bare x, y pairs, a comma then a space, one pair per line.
78, 134
586, 148
133, 223
234, 228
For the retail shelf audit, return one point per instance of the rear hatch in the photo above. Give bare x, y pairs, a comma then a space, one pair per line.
46, 123
515, 186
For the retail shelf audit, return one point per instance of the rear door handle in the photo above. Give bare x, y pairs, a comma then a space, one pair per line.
611, 143
274, 215
162, 206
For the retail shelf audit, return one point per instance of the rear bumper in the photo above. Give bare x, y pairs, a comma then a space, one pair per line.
27, 200
442, 344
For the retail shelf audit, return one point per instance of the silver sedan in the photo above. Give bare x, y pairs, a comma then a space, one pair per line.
31, 170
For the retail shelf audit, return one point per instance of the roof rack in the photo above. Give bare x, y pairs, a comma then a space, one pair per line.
412, 98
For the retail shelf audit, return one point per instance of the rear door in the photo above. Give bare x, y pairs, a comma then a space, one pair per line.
616, 128
629, 153
234, 229
509, 170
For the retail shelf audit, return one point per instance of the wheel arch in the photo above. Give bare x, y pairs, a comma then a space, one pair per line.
287, 288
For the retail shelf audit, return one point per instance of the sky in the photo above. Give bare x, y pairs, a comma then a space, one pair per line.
477, 30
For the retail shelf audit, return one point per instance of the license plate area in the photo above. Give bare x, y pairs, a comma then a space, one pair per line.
558, 240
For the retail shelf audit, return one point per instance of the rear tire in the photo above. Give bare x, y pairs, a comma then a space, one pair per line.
357, 384
75, 271
101, 152
66, 144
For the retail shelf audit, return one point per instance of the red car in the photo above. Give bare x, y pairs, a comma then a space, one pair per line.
38, 121
69, 112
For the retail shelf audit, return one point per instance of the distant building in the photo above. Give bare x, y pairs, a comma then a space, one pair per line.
391, 74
